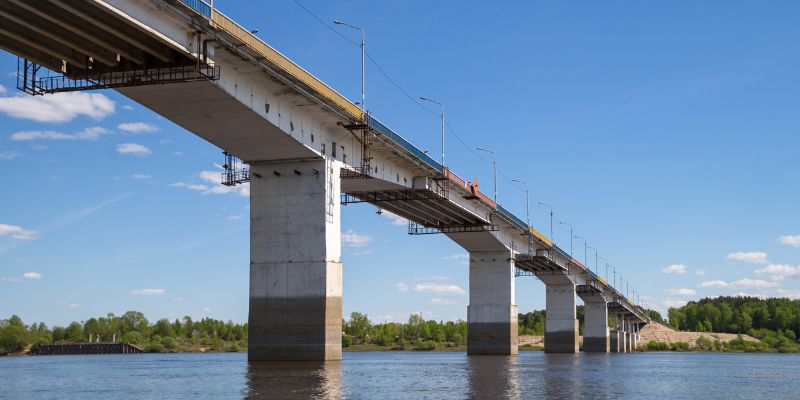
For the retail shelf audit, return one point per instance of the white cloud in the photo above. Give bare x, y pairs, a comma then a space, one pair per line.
778, 272
383, 318
214, 185
2, 89
442, 302
401, 287
59, 107
700, 272
127, 107
234, 218
142, 176
443, 288
672, 303
133, 148
8, 155
72, 305
17, 232
137, 127
713, 284
91, 133
148, 292
353, 239
752, 257
753, 283
674, 269
790, 293
34, 276
426, 314
682, 292
791, 240
396, 219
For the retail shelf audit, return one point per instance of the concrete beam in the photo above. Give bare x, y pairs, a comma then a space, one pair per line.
492, 312
561, 322
295, 267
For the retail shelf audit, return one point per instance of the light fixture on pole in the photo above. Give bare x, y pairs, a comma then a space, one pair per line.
570, 236
494, 168
527, 202
551, 217
606, 262
442, 105
363, 52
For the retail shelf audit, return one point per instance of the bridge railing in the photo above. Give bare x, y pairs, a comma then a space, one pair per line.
200, 6
386, 131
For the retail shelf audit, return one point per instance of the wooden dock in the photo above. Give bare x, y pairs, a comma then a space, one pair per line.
87, 348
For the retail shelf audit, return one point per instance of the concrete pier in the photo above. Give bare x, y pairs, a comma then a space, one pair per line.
595, 324
561, 322
613, 341
295, 262
491, 314
624, 339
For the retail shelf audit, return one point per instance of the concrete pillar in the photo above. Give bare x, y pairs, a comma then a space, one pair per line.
595, 324
561, 322
624, 339
613, 341
295, 262
628, 336
634, 336
492, 312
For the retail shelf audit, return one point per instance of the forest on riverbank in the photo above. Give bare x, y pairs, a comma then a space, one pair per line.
132, 327
774, 321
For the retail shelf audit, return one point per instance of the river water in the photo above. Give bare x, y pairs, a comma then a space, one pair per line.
405, 375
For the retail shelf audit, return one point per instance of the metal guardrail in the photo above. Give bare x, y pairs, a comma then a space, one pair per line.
383, 129
200, 6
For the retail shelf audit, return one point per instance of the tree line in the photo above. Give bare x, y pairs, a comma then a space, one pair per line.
132, 327
417, 333
775, 321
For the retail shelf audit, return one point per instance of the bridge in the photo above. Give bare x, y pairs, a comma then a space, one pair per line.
310, 151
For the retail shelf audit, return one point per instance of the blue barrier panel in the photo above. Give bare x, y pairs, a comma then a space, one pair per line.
383, 129
516, 219
562, 252
200, 6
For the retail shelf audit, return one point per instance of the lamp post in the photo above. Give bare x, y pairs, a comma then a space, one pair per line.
585, 248
606, 262
363, 47
595, 258
527, 202
441, 105
570, 236
494, 168
551, 218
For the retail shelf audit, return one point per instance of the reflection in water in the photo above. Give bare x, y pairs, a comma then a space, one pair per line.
493, 377
294, 380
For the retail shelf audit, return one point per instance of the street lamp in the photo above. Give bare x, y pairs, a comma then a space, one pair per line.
551, 218
570, 236
585, 248
494, 167
527, 202
595, 258
363, 46
442, 105
606, 262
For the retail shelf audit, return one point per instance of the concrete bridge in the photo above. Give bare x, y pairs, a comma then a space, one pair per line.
310, 151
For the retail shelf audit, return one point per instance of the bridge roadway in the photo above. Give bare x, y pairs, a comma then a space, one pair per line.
310, 150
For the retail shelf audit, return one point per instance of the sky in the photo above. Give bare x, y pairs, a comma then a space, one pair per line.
664, 133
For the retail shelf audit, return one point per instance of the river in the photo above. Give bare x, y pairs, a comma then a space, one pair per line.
405, 375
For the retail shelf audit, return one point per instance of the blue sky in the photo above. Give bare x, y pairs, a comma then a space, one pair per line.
667, 134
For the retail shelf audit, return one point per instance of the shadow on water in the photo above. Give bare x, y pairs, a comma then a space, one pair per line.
493, 377
294, 380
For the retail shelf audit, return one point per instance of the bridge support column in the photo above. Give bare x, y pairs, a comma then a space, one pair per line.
561, 322
595, 324
634, 336
613, 341
628, 336
491, 314
623, 334
295, 262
